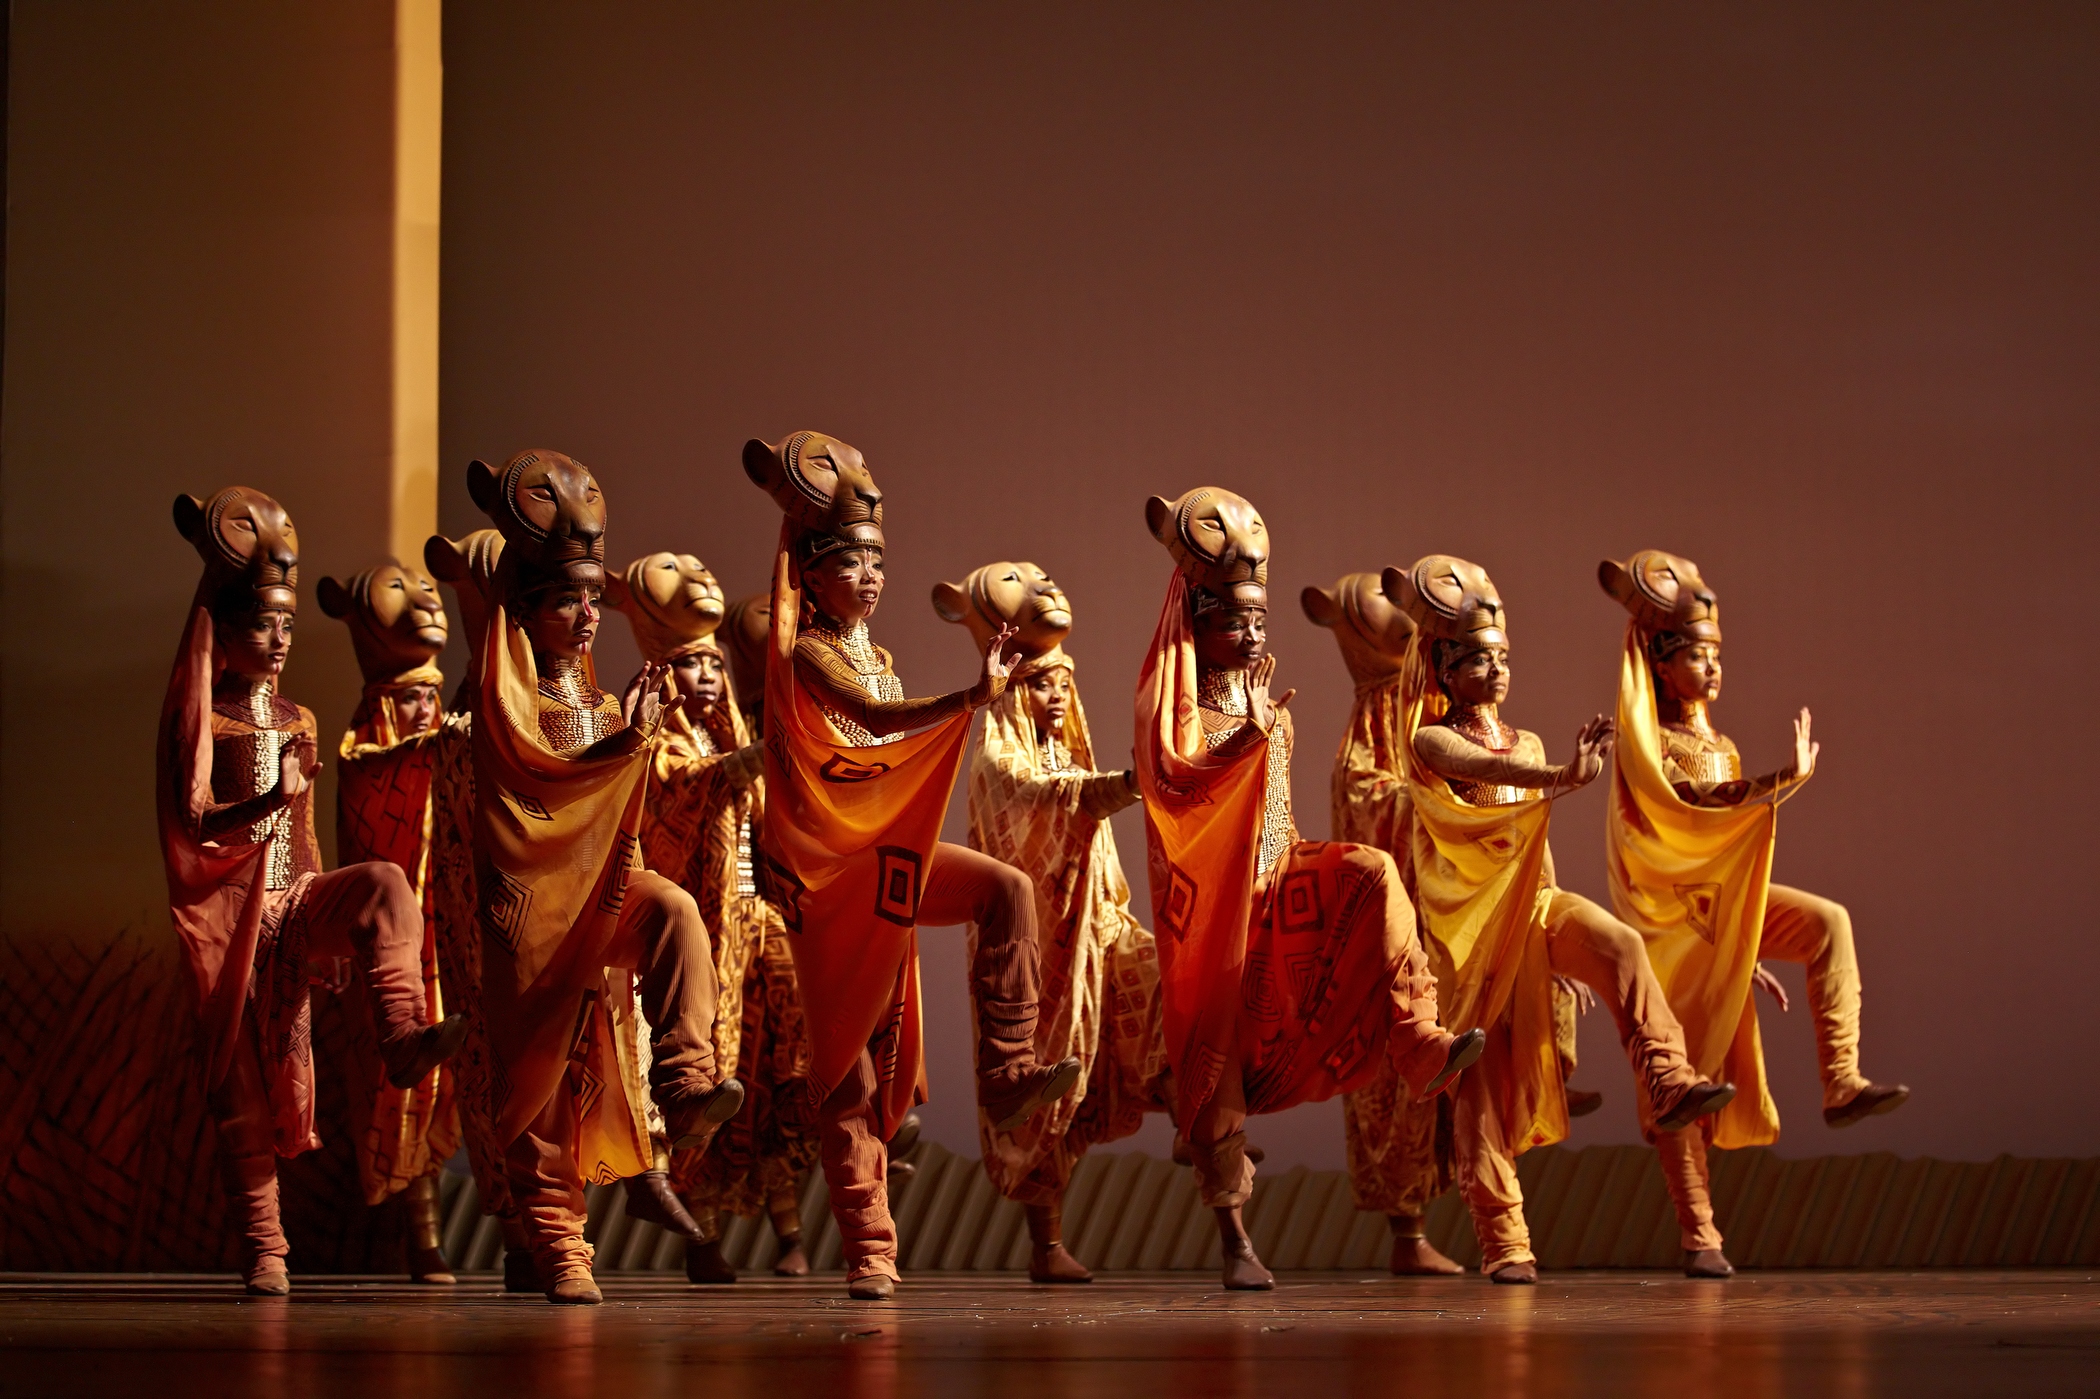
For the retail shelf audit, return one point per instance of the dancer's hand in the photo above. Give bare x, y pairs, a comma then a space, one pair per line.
998, 666
1769, 984
1592, 743
1260, 708
1585, 999
643, 703
296, 766
1805, 747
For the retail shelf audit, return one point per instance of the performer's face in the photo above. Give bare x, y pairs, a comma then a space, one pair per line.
1049, 698
255, 646
700, 677
1479, 677
564, 621
846, 584
1231, 638
416, 709
1692, 673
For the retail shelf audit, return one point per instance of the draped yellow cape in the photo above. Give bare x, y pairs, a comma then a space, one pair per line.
557, 840
1693, 881
1480, 889
849, 834
383, 812
1100, 969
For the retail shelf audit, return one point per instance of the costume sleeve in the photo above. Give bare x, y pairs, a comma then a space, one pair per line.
1456, 758
827, 676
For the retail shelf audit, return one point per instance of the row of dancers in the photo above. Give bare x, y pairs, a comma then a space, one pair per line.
666, 937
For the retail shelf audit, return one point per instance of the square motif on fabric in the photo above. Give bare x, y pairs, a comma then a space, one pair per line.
897, 884
1177, 904
1299, 900
506, 902
781, 888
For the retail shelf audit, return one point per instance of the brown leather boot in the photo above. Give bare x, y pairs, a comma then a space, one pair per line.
1694, 1103
1243, 1269
704, 1263
651, 1199
871, 1282
1048, 1260
1707, 1263
1582, 1102
268, 1276
1515, 1275
785, 1210
1030, 1090
1870, 1101
690, 1121
564, 1266
1413, 1255
1464, 1050
410, 1059
426, 1253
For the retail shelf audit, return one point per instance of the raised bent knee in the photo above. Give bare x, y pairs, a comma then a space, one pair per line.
1011, 889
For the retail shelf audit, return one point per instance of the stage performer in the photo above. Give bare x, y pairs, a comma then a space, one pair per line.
701, 828
1689, 845
1038, 803
747, 629
1481, 792
1290, 968
567, 907
234, 764
403, 1137
857, 781
1399, 1151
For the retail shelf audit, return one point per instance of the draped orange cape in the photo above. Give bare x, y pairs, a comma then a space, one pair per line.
848, 836
383, 812
216, 893
557, 839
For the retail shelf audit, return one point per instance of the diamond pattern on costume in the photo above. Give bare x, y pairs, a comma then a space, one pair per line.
1698, 901
505, 907
620, 871
1298, 901
897, 872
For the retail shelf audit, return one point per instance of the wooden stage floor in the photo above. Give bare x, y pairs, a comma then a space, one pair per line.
1327, 1335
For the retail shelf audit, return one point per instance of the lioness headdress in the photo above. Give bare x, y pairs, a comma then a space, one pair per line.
396, 619
673, 601
1371, 630
551, 515
1670, 602
1451, 601
1019, 595
249, 548
824, 487
1218, 542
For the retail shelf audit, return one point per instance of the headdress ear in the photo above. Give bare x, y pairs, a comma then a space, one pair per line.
1397, 585
445, 560
617, 594
484, 485
1615, 580
335, 598
189, 516
1320, 606
759, 462
1159, 514
950, 602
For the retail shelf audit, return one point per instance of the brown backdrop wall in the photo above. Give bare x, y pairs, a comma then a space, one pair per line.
1806, 295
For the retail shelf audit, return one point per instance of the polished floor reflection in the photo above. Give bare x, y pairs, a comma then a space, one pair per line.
1791, 1333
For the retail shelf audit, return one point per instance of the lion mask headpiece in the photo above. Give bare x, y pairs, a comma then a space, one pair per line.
673, 601
1372, 631
1218, 542
823, 487
249, 548
396, 618
1670, 602
1451, 601
1019, 595
551, 514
